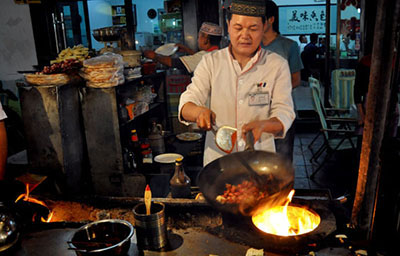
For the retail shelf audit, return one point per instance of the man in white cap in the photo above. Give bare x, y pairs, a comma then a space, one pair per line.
208, 40
247, 87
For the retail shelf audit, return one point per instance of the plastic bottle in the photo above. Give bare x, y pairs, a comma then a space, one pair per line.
147, 155
180, 182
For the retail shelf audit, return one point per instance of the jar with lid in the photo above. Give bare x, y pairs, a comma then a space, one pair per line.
156, 139
180, 182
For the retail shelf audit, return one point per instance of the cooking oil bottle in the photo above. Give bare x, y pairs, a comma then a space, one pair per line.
180, 182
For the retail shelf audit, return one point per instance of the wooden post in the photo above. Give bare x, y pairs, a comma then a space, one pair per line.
327, 80
130, 23
363, 212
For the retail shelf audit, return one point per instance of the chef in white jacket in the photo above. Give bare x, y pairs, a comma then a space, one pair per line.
248, 88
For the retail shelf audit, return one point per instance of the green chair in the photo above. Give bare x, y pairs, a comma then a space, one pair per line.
342, 93
338, 133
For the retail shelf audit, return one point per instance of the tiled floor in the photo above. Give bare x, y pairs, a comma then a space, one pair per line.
338, 174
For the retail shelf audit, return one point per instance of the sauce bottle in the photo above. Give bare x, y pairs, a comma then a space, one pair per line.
180, 182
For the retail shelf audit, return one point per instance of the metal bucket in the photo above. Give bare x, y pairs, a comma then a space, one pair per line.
151, 230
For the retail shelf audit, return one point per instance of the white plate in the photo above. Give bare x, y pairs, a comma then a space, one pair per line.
167, 158
189, 136
167, 49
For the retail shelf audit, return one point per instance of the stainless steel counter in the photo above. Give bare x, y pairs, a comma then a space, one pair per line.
190, 241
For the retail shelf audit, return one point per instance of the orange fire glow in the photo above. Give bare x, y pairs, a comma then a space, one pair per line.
286, 220
25, 196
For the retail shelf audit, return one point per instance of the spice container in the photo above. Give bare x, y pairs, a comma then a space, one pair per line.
132, 58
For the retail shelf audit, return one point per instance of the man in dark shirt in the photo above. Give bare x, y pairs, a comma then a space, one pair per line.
309, 58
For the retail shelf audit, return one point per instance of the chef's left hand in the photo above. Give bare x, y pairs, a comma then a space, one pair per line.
272, 125
257, 127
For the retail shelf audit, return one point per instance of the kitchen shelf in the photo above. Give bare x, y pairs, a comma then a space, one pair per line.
151, 107
118, 15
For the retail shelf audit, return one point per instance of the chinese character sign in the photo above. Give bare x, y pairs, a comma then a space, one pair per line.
294, 20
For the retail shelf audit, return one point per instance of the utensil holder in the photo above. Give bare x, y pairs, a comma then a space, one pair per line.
151, 230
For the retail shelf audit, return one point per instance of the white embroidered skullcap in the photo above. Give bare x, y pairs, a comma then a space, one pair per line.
211, 29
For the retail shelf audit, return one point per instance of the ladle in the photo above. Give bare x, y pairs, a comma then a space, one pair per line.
225, 138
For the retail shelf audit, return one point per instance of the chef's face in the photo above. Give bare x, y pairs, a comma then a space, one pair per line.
246, 33
202, 41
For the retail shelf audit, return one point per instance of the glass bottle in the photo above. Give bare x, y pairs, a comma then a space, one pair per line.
134, 155
180, 182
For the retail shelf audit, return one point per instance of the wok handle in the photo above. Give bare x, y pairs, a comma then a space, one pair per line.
214, 129
249, 141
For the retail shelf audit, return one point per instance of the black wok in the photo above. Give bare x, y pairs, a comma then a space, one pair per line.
271, 173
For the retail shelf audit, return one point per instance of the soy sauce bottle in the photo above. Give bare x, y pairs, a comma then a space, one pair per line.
180, 182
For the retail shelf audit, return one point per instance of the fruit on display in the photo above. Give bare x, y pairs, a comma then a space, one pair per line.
62, 67
78, 52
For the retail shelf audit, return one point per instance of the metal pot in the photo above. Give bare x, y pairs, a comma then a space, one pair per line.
107, 34
104, 237
269, 172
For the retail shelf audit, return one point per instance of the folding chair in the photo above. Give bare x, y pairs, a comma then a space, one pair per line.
338, 133
342, 93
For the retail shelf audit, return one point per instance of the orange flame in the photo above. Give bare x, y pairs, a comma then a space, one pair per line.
286, 220
25, 196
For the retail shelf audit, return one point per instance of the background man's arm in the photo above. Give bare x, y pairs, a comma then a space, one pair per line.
166, 60
184, 48
296, 79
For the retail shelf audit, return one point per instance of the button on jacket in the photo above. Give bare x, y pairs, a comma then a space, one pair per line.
220, 79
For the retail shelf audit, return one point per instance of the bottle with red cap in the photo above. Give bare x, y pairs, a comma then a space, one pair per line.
147, 155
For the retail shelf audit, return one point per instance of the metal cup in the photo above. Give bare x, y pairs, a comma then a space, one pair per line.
151, 230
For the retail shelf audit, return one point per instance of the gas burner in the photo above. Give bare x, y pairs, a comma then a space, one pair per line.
240, 229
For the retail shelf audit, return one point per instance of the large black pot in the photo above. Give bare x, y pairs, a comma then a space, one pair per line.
270, 172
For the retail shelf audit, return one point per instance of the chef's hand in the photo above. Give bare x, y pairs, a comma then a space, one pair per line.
181, 47
272, 125
149, 54
185, 49
205, 118
257, 127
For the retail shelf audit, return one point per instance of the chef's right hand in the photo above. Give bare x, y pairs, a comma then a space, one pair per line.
205, 119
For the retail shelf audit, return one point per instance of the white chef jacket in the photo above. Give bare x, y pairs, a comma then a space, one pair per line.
219, 78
